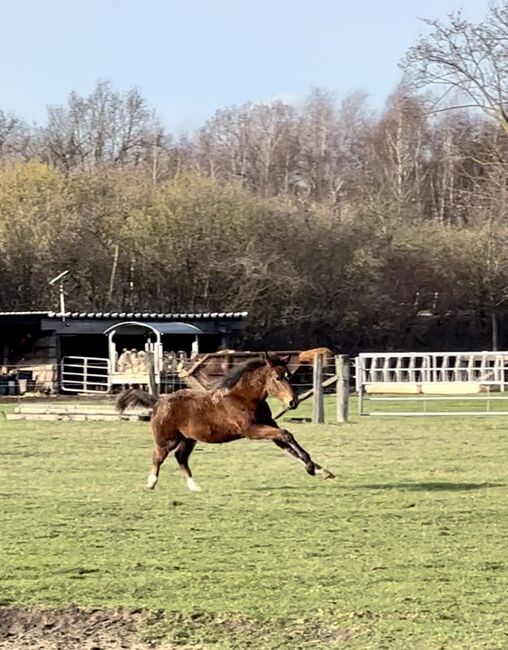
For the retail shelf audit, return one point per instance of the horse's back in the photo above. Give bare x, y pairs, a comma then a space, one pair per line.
308, 356
207, 416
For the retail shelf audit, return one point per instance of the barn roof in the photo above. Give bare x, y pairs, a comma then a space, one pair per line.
145, 315
174, 327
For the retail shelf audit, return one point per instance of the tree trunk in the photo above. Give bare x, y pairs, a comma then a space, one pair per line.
495, 331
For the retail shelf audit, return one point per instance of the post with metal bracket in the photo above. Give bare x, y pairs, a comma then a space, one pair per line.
318, 412
342, 391
152, 384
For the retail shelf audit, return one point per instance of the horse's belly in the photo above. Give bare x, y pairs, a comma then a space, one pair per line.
213, 432
227, 436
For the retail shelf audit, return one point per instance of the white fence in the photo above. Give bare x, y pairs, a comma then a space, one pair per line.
434, 376
85, 374
489, 368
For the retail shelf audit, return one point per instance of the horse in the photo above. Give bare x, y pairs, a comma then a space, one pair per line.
306, 358
235, 409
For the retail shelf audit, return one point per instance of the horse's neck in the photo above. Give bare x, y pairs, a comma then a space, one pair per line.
251, 389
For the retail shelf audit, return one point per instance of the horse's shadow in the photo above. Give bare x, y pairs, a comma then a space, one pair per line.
282, 488
430, 486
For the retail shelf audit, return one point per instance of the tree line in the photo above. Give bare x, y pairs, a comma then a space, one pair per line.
331, 223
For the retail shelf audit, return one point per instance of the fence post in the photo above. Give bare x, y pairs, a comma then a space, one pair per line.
342, 372
152, 384
318, 411
85, 375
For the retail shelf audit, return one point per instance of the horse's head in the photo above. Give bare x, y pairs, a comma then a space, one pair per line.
277, 381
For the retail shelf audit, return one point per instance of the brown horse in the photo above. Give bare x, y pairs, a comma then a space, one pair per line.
236, 409
306, 358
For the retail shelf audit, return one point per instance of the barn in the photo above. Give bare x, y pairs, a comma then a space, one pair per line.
47, 351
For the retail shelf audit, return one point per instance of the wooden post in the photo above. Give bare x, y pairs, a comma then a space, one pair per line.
342, 374
152, 384
318, 411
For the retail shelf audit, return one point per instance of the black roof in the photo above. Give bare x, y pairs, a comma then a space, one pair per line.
139, 316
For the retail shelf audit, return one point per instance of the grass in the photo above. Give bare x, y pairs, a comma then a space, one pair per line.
406, 549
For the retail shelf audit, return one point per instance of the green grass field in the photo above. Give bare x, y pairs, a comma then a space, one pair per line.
408, 548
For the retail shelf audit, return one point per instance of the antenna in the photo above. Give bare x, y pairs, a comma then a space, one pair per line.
60, 279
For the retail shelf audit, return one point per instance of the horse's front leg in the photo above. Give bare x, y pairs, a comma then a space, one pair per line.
294, 449
286, 441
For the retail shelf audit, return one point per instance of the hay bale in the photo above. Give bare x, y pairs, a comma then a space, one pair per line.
393, 388
452, 388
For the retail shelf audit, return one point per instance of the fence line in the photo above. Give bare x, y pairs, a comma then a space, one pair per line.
91, 375
429, 367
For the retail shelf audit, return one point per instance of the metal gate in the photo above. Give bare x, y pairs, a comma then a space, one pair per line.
433, 377
85, 374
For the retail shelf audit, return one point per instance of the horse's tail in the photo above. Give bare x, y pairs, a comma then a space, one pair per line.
135, 397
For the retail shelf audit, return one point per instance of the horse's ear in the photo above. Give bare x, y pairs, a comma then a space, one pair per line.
285, 359
267, 356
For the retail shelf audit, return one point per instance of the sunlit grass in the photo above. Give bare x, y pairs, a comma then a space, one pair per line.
406, 549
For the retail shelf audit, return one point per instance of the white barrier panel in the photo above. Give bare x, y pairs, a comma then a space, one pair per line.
417, 375
417, 368
85, 374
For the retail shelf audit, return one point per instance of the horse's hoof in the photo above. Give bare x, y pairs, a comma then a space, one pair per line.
192, 485
325, 474
151, 482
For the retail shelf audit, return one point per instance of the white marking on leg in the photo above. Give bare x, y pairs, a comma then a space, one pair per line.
151, 482
192, 485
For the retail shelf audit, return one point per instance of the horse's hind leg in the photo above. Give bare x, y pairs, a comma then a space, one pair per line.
158, 457
182, 453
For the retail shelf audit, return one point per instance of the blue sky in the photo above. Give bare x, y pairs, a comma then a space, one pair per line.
191, 57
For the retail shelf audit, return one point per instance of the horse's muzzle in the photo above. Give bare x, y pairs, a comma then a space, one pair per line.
293, 404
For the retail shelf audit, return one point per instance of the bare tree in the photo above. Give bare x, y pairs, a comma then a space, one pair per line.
395, 160
105, 127
255, 143
15, 136
466, 60
320, 153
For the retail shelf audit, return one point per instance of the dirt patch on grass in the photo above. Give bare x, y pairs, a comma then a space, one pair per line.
134, 629
69, 629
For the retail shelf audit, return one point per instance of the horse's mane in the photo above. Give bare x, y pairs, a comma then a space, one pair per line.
235, 374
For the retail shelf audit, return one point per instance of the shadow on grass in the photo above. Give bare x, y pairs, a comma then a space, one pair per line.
280, 488
430, 486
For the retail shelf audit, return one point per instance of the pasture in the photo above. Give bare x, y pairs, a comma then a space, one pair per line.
407, 548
